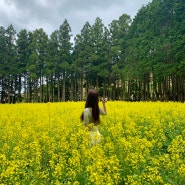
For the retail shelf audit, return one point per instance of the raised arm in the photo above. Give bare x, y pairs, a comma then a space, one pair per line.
104, 111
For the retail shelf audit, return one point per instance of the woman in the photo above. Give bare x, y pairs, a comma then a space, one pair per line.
91, 115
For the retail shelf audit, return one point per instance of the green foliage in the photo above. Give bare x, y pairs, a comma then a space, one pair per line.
148, 51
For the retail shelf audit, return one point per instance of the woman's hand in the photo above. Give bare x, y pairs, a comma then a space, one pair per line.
104, 100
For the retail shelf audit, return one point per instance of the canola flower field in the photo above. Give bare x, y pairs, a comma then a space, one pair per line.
46, 144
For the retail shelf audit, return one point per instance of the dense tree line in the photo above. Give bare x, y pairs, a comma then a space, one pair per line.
141, 59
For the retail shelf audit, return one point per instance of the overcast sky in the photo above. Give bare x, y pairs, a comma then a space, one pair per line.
50, 14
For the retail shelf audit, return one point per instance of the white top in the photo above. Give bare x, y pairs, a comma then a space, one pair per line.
88, 115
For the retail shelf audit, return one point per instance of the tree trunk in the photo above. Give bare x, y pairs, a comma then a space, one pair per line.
9, 101
47, 90
160, 91
140, 91
180, 91
19, 89
81, 88
53, 91
72, 88
58, 86
35, 97
40, 98
64, 88
148, 96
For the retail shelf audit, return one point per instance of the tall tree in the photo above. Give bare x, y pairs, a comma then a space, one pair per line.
82, 59
36, 64
65, 48
22, 59
52, 66
2, 64
153, 37
118, 53
10, 60
97, 56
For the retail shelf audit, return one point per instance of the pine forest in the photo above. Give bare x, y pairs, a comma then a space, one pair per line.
139, 59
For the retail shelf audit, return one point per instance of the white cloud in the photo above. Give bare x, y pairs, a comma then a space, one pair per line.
50, 14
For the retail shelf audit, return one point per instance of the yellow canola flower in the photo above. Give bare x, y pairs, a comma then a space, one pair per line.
181, 170
45, 143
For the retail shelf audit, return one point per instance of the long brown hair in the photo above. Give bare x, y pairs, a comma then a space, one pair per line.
92, 102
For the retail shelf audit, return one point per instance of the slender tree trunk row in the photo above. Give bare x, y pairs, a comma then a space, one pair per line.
171, 88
